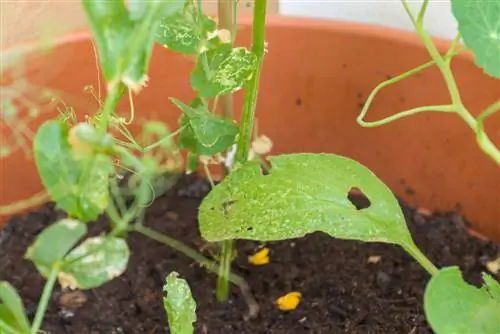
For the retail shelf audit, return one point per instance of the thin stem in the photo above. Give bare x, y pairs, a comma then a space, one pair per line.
443, 64
421, 13
110, 104
12, 208
203, 261
406, 113
44, 300
415, 252
209, 176
161, 141
258, 33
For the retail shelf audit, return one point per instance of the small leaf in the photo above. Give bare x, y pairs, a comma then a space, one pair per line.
453, 306
186, 31
204, 133
223, 70
302, 194
12, 309
54, 243
479, 25
179, 305
96, 261
77, 182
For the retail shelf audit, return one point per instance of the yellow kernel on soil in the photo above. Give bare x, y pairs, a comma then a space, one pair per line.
260, 258
289, 302
494, 266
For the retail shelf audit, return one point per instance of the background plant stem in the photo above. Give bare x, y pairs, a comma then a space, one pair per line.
248, 116
483, 140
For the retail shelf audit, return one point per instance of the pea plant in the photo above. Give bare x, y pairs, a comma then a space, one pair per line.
82, 164
304, 193
288, 196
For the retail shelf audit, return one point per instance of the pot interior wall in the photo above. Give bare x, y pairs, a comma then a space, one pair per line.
316, 77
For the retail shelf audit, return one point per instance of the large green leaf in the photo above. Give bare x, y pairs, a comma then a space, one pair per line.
125, 39
54, 243
204, 133
78, 183
454, 307
302, 194
111, 28
179, 305
222, 70
12, 312
479, 25
96, 261
187, 31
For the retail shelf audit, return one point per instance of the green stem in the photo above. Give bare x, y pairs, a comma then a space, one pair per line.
44, 300
248, 117
203, 261
110, 104
225, 10
35, 200
413, 250
443, 64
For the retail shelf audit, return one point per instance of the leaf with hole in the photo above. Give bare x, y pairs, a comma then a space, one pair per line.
479, 25
453, 306
302, 194
78, 183
96, 261
179, 305
204, 133
222, 70
54, 242
187, 31
12, 314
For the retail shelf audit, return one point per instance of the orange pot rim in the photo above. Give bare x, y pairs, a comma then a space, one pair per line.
345, 27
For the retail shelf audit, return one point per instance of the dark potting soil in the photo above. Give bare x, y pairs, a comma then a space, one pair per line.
347, 286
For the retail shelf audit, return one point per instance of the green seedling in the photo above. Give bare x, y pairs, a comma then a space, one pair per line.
179, 305
82, 164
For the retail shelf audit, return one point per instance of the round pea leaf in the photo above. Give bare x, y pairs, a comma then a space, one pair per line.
94, 262
479, 25
54, 242
453, 306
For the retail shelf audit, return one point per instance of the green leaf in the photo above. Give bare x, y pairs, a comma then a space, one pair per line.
479, 25
12, 311
54, 243
223, 70
302, 194
186, 31
96, 261
204, 133
125, 39
179, 305
78, 183
111, 28
454, 307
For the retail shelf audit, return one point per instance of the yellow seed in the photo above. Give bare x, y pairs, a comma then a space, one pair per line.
290, 301
260, 258
494, 266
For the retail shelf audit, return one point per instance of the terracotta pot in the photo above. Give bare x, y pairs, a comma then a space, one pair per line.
317, 74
